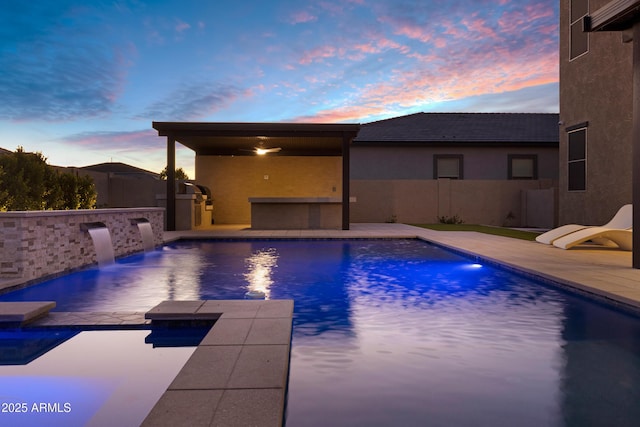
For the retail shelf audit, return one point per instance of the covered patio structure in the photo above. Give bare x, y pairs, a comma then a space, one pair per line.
278, 167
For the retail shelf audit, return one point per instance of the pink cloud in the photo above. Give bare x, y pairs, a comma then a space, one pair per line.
481, 74
479, 26
415, 32
302, 18
318, 54
182, 26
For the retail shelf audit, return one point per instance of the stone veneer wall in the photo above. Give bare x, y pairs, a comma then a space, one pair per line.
36, 244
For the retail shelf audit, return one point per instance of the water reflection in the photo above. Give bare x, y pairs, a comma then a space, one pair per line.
259, 268
399, 332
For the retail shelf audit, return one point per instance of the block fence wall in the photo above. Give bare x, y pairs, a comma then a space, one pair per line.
511, 203
36, 244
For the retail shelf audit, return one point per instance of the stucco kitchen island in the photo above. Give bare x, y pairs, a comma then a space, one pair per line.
295, 213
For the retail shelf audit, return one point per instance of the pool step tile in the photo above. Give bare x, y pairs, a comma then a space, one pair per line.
270, 331
23, 312
177, 310
275, 309
241, 408
195, 408
261, 366
228, 331
209, 367
232, 309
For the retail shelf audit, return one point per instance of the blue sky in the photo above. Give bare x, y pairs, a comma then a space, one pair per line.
81, 81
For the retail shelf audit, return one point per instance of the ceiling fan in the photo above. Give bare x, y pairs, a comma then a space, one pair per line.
261, 151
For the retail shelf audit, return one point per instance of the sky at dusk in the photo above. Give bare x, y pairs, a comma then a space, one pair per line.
81, 80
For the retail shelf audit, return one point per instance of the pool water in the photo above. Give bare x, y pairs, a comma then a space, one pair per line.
87, 378
398, 332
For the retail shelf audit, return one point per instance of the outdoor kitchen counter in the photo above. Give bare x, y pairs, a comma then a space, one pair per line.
295, 213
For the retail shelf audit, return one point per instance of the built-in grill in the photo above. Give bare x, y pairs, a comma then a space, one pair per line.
202, 195
208, 199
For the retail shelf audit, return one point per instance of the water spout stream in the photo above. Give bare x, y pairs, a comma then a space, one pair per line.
101, 242
146, 233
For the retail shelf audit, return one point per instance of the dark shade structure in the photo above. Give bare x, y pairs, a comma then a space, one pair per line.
242, 139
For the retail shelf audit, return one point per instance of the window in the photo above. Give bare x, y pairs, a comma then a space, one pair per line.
577, 167
523, 166
578, 40
447, 166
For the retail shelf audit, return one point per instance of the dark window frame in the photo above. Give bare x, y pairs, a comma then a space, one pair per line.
575, 27
577, 160
512, 157
460, 159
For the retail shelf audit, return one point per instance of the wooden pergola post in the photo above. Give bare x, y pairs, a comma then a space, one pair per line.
346, 177
171, 184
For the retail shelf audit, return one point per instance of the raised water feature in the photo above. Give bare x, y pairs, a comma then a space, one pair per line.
37, 244
146, 233
101, 241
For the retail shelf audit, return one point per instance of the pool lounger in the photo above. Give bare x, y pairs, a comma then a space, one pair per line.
622, 220
600, 235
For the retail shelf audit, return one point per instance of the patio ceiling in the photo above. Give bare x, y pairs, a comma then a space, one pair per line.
241, 139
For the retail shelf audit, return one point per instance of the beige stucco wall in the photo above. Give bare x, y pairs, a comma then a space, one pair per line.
424, 201
596, 88
233, 180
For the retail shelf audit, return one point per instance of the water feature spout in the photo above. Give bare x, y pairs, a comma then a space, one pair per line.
146, 233
101, 242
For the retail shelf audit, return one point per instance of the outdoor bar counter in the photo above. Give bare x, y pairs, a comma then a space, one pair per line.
295, 213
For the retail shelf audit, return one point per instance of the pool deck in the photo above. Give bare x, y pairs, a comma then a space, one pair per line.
250, 343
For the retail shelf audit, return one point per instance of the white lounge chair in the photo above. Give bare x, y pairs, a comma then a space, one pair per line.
600, 235
622, 220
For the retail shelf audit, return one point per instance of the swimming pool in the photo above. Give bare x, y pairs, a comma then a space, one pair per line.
398, 332
84, 378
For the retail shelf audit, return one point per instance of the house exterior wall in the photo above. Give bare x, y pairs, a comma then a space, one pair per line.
406, 162
234, 179
596, 88
393, 184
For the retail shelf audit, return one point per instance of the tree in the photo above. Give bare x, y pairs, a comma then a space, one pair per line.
76, 192
86, 192
180, 174
24, 180
27, 182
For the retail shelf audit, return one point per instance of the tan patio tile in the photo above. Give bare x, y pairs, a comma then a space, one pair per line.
184, 407
209, 367
261, 366
242, 408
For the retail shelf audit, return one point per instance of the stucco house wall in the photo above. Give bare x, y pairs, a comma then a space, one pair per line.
595, 90
393, 162
234, 179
